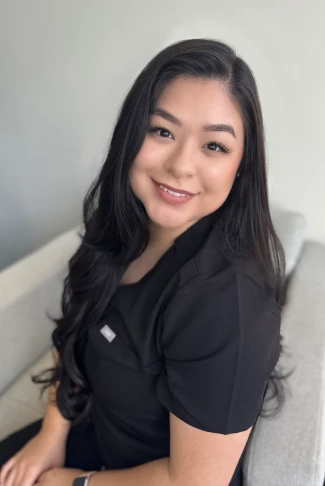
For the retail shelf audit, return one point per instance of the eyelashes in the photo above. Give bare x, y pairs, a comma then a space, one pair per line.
221, 147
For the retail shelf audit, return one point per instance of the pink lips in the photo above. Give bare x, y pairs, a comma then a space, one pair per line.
170, 198
176, 190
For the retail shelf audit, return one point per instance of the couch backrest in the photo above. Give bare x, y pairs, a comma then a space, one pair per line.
29, 288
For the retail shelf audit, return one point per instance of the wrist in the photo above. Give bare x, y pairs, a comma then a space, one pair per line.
84, 479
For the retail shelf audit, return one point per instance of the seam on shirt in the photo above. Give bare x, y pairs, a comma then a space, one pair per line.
243, 270
179, 407
239, 270
182, 286
257, 284
150, 364
196, 264
170, 302
238, 355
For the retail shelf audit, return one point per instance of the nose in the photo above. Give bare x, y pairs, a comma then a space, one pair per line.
181, 162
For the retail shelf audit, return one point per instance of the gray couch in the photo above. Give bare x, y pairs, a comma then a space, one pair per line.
286, 451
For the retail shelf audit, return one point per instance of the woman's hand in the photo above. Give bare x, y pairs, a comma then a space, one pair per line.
61, 476
41, 453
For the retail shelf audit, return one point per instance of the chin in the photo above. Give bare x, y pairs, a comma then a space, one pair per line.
166, 218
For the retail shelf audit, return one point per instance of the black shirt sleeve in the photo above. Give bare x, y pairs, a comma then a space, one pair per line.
220, 338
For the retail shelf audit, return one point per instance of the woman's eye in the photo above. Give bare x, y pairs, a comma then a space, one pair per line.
163, 131
219, 147
157, 129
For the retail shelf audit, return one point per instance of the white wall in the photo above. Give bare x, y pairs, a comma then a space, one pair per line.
66, 66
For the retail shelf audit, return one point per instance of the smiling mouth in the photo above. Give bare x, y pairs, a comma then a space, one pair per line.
174, 190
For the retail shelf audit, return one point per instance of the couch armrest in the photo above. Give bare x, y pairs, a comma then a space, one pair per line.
29, 288
289, 450
21, 403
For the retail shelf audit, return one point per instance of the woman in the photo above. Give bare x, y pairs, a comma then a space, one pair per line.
172, 306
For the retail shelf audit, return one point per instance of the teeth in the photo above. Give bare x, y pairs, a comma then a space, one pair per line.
178, 194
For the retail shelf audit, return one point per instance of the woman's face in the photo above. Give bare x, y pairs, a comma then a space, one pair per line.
179, 153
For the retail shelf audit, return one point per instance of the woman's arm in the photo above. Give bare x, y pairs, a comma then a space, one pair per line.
196, 458
153, 473
53, 422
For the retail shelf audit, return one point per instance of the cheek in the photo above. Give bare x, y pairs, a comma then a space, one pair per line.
149, 157
140, 171
217, 182
217, 178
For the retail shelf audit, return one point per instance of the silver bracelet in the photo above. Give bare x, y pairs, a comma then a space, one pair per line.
83, 480
87, 482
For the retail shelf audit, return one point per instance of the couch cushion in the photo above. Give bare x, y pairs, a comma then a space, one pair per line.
31, 289
290, 227
21, 404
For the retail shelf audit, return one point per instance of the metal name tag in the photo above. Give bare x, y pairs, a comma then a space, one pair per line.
108, 333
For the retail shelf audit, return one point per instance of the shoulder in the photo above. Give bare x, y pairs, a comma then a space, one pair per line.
210, 278
226, 304
211, 269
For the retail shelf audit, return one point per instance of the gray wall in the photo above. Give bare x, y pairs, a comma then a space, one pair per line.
66, 66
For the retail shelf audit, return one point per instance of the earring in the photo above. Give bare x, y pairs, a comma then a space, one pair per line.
238, 174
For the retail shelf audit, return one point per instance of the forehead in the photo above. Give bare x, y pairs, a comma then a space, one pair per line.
197, 102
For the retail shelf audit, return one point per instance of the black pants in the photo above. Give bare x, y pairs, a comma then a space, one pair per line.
82, 451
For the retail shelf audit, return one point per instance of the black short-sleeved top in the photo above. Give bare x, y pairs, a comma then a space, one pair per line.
197, 336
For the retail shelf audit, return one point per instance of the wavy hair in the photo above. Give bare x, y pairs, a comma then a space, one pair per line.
115, 223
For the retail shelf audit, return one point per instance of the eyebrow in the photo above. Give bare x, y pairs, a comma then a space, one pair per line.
219, 127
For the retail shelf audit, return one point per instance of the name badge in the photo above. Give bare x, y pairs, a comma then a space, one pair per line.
108, 333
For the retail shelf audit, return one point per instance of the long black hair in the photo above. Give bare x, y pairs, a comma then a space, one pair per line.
115, 223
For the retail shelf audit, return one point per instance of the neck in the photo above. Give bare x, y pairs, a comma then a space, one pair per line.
161, 238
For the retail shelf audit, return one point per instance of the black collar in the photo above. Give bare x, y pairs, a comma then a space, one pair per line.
192, 239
